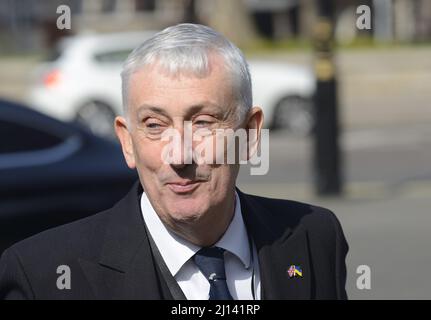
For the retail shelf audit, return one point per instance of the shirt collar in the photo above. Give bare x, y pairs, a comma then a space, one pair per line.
176, 251
235, 239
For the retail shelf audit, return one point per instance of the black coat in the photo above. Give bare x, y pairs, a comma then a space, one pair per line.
109, 255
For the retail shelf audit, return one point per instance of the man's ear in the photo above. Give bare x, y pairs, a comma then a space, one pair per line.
125, 138
253, 124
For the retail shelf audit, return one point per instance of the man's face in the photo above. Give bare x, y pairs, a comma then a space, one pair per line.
180, 193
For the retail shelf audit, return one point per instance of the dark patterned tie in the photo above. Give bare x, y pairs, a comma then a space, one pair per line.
211, 263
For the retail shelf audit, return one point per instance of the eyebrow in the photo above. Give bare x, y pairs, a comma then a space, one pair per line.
145, 107
190, 110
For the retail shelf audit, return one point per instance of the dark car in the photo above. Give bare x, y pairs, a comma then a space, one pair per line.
53, 172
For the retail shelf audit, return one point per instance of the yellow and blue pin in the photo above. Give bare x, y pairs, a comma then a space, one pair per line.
294, 271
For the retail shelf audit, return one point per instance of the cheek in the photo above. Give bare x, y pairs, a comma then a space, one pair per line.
148, 155
222, 178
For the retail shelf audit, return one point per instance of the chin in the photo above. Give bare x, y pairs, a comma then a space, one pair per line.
187, 210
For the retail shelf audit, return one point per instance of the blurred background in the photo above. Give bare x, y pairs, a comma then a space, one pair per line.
348, 110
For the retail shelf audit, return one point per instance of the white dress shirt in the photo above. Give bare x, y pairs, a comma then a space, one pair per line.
242, 266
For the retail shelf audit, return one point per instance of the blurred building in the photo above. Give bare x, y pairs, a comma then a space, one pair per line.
31, 25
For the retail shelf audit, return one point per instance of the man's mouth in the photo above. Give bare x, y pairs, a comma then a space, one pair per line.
181, 187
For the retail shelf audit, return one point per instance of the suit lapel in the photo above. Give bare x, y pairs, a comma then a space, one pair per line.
278, 248
126, 268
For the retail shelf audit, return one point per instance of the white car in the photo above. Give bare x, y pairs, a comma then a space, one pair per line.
81, 82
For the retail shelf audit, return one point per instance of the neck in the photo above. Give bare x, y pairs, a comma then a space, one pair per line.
210, 228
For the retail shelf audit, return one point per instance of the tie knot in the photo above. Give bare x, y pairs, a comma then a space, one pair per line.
210, 261
211, 252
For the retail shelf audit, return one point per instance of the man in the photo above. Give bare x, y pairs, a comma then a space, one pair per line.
184, 231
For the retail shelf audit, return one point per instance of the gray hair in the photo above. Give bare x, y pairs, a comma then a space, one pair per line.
186, 48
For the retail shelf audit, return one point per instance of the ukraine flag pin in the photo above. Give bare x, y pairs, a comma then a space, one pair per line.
294, 271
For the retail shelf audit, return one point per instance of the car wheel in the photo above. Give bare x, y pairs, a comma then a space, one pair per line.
294, 114
98, 117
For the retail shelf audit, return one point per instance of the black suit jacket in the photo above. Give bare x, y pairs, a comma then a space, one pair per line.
110, 257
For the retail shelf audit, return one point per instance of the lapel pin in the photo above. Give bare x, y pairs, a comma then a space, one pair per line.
294, 271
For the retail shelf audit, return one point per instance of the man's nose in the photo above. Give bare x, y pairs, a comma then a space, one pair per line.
178, 165
183, 152
181, 158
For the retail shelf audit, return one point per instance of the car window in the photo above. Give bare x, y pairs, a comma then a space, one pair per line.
112, 57
17, 137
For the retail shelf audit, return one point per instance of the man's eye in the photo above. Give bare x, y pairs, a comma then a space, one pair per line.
153, 125
202, 123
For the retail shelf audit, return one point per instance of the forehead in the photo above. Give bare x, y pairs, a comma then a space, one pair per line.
152, 88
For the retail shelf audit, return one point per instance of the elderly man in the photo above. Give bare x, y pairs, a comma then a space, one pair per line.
184, 231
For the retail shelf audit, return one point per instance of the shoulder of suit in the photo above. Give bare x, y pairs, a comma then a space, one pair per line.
80, 238
318, 220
